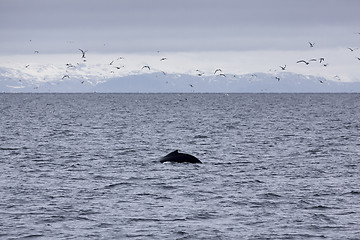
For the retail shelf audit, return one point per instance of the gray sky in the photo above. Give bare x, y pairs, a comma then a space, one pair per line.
255, 29
177, 25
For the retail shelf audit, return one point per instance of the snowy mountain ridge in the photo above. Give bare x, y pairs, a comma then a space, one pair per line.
12, 80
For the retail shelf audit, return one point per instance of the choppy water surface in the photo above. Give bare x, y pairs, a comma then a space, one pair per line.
85, 166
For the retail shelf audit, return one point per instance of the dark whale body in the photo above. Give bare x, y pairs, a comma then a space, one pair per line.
177, 157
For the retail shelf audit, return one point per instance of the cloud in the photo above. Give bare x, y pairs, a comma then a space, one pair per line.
242, 36
140, 25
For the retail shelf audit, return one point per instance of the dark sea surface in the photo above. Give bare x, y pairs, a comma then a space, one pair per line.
86, 166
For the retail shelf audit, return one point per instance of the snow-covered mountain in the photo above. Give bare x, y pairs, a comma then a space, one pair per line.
156, 82
258, 82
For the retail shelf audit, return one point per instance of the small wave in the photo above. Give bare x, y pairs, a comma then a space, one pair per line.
353, 192
8, 149
202, 216
139, 219
270, 195
320, 207
201, 136
303, 236
115, 185
104, 225
346, 213
258, 181
31, 236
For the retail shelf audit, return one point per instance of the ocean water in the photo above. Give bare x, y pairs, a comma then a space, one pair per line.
85, 166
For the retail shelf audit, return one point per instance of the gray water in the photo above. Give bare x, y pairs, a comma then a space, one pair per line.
85, 166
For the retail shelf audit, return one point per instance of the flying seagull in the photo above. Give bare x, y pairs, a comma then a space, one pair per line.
277, 78
65, 76
146, 66
217, 70
321, 60
83, 52
311, 44
353, 49
199, 73
283, 68
162, 59
307, 63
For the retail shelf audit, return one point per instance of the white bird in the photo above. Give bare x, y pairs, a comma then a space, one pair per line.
83, 52
311, 44
146, 66
217, 70
283, 68
353, 49
307, 63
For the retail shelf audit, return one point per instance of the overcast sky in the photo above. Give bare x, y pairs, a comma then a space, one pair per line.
263, 31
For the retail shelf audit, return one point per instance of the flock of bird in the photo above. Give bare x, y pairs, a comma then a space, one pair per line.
321, 61
217, 72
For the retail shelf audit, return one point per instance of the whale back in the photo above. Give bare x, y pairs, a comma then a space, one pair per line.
177, 157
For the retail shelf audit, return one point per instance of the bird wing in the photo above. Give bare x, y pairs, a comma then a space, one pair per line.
217, 70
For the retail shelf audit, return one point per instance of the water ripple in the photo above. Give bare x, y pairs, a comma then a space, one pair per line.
86, 166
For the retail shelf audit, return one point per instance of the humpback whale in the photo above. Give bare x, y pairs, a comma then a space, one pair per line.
177, 157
